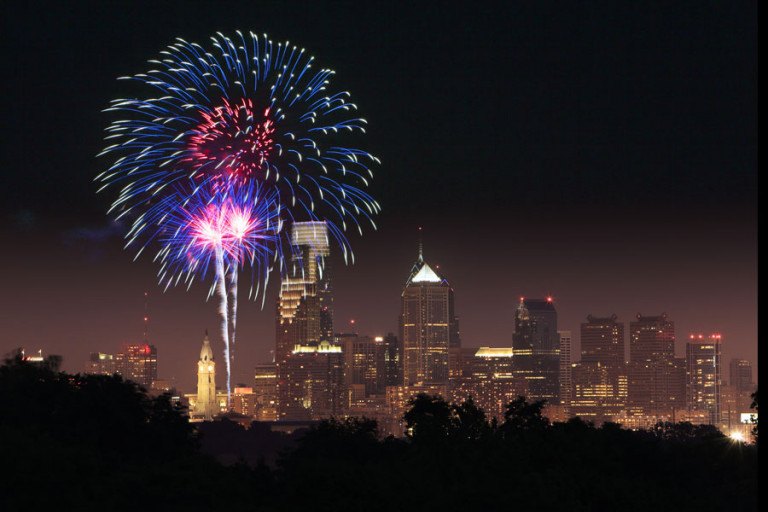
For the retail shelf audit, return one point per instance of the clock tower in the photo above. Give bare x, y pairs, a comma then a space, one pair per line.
206, 406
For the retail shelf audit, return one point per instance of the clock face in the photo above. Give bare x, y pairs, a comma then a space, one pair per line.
210, 367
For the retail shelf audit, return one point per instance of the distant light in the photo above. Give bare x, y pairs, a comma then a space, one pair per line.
549, 299
737, 437
352, 321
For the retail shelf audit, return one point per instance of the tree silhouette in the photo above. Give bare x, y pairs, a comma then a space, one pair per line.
95, 443
428, 420
522, 415
469, 421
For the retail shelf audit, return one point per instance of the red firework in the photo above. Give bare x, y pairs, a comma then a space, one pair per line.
232, 141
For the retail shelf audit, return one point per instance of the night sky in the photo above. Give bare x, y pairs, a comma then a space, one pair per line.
604, 154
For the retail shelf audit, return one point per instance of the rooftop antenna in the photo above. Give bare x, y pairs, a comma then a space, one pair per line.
146, 315
421, 246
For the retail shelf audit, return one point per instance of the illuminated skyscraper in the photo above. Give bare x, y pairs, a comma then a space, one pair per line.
536, 347
244, 401
206, 405
565, 370
426, 326
488, 377
703, 362
305, 305
360, 362
599, 381
138, 362
389, 361
265, 391
656, 377
101, 364
598, 394
602, 341
315, 388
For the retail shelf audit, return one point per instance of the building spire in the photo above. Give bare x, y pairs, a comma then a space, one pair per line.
146, 315
421, 247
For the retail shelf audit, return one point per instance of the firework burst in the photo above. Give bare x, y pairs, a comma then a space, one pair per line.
243, 109
227, 143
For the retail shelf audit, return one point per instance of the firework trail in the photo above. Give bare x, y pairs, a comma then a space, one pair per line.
224, 230
221, 287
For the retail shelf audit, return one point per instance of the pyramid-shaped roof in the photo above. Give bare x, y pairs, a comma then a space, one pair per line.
426, 275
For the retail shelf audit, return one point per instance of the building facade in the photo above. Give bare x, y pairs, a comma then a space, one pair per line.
488, 377
138, 362
703, 372
565, 370
206, 404
100, 363
265, 391
536, 345
600, 379
389, 361
304, 307
315, 388
426, 324
656, 377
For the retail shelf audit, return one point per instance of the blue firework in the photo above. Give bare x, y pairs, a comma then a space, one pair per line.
241, 110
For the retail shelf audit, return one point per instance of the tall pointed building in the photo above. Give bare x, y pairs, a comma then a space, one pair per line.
206, 405
427, 325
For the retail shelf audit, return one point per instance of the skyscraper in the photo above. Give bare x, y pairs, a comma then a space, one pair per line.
741, 375
602, 340
265, 391
736, 396
536, 347
138, 362
599, 380
314, 374
305, 304
565, 370
206, 405
488, 377
101, 364
389, 361
360, 361
426, 325
703, 363
656, 377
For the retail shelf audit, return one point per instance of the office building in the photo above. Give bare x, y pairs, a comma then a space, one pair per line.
426, 326
703, 372
536, 347
656, 377
100, 363
138, 362
305, 303
315, 388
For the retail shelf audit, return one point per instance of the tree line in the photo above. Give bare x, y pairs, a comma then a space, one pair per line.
88, 442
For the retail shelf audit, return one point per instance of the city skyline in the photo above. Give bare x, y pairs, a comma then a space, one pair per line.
260, 321
556, 159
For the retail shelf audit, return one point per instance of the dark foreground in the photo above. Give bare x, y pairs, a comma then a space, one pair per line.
99, 443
